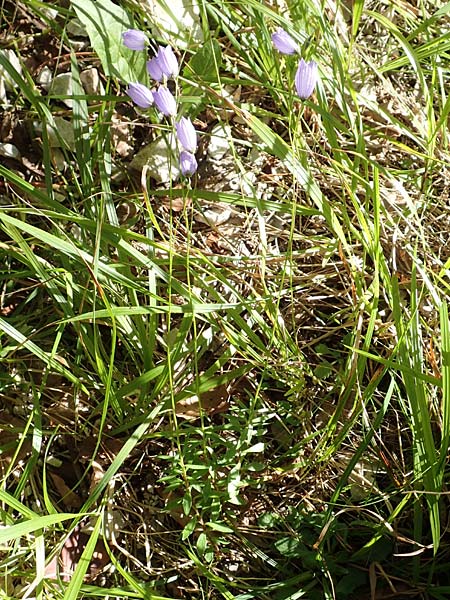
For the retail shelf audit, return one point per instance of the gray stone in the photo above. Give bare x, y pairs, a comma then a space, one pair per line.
161, 159
62, 86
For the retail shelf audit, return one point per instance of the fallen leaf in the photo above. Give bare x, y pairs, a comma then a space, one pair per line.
97, 475
70, 555
210, 403
69, 498
176, 204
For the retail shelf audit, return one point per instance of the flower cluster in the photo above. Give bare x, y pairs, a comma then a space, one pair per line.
162, 67
307, 72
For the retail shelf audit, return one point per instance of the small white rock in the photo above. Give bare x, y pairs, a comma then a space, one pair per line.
91, 81
219, 143
121, 136
76, 232
160, 157
62, 86
45, 78
78, 45
9, 150
214, 216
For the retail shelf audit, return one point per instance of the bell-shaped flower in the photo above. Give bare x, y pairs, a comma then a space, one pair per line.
186, 134
306, 78
167, 61
283, 42
164, 64
165, 102
154, 69
188, 163
140, 94
134, 39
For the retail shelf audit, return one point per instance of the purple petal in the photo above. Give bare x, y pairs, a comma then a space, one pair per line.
140, 94
186, 134
283, 42
167, 61
165, 102
154, 69
306, 78
188, 163
134, 39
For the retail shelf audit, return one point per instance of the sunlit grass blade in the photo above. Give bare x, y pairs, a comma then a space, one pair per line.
410, 353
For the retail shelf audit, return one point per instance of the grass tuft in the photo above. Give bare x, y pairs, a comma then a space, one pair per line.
233, 385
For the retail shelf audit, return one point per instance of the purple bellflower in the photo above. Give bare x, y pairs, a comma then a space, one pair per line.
165, 102
306, 78
140, 94
164, 64
167, 61
154, 69
283, 42
186, 134
188, 163
134, 39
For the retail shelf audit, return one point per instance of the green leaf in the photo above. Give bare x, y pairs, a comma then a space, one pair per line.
323, 370
219, 527
187, 503
358, 7
188, 529
105, 22
15, 504
269, 520
202, 543
207, 60
290, 547
350, 582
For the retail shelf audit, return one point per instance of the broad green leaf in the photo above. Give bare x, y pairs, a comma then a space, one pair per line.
219, 527
105, 22
202, 543
207, 60
189, 528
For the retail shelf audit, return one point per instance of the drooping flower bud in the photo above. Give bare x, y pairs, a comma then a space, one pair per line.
283, 42
186, 134
134, 39
306, 78
165, 102
164, 64
154, 69
188, 163
140, 94
167, 61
